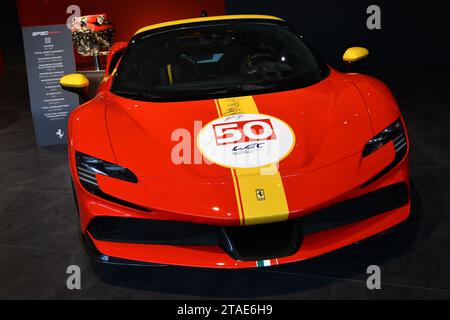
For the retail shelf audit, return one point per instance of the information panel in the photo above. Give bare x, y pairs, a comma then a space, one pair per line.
49, 56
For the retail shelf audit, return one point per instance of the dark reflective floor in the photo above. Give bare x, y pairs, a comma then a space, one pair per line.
39, 232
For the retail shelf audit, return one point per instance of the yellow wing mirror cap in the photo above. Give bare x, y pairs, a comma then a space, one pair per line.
74, 81
354, 54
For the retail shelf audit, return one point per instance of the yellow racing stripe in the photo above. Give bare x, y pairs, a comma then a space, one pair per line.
259, 191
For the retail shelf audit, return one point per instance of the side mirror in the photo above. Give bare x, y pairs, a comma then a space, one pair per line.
76, 83
115, 53
353, 55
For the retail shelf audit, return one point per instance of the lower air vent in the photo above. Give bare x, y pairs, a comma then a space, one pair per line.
259, 242
152, 231
356, 209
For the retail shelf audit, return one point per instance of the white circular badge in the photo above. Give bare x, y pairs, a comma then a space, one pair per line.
246, 140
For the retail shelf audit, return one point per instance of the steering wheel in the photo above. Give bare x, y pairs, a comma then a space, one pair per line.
256, 59
265, 67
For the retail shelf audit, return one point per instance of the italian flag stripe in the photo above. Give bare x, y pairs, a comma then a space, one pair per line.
263, 263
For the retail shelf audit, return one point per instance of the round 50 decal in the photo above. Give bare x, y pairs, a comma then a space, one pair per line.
246, 140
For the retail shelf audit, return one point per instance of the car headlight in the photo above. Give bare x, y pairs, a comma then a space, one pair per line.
394, 133
88, 167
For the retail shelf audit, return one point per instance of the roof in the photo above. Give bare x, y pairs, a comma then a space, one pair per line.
203, 19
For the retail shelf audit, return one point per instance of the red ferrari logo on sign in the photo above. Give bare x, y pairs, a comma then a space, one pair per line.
243, 131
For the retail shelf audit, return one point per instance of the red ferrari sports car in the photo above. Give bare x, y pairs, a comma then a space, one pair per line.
224, 142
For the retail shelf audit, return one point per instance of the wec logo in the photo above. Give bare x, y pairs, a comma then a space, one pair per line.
251, 146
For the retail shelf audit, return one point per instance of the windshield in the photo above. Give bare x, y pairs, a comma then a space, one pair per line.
228, 58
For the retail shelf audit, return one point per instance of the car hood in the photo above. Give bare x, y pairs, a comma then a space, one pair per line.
329, 121
331, 126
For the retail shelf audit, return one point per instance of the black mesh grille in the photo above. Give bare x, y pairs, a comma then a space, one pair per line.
259, 242
152, 231
356, 209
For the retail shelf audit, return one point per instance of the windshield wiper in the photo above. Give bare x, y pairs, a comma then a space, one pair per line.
137, 94
208, 90
239, 88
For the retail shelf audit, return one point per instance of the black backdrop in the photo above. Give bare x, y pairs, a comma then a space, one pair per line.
11, 35
412, 32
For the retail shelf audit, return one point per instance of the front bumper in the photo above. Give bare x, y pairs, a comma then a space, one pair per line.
309, 244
